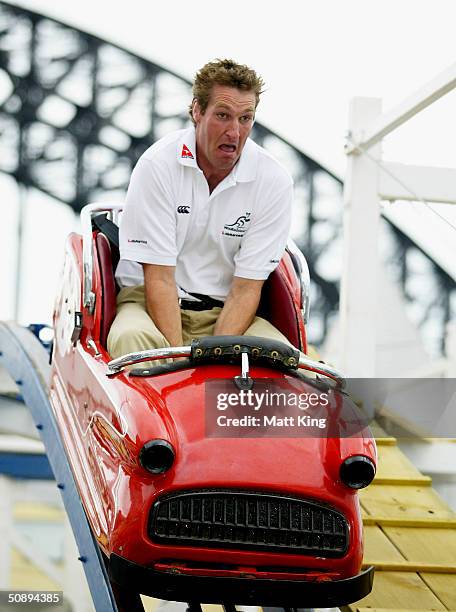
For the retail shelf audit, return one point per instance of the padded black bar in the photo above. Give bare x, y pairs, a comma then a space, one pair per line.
228, 349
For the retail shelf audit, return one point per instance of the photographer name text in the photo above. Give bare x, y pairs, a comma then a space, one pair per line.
270, 421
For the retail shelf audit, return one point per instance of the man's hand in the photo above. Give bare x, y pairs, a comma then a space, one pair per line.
240, 307
162, 302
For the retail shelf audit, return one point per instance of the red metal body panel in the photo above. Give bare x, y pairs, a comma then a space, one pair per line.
106, 421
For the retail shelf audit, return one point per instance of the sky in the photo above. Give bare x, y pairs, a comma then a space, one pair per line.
314, 57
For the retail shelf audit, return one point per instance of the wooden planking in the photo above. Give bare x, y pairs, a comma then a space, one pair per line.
399, 501
385, 442
399, 590
423, 481
392, 461
377, 546
387, 521
410, 566
444, 585
410, 536
425, 545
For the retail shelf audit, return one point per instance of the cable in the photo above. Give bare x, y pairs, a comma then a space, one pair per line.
363, 151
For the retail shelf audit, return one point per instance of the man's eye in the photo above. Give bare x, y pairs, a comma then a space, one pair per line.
221, 115
246, 118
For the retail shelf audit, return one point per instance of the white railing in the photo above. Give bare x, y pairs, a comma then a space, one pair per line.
369, 180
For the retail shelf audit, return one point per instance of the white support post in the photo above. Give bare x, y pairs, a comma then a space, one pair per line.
358, 304
365, 184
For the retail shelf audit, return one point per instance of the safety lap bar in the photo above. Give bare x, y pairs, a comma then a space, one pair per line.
205, 351
117, 365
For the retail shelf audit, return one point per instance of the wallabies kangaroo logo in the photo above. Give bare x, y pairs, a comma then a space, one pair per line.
239, 227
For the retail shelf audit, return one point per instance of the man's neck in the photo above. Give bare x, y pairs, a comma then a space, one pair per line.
213, 177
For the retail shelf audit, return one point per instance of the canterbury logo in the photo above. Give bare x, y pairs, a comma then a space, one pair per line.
185, 210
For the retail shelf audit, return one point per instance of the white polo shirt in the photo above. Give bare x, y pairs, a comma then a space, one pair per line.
171, 219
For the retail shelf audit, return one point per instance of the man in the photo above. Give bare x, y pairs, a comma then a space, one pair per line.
207, 215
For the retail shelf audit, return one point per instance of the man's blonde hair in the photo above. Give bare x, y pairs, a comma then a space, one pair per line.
224, 72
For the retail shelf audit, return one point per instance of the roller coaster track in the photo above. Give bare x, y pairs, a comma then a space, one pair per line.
24, 358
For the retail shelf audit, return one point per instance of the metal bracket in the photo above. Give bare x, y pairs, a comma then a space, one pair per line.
244, 381
77, 327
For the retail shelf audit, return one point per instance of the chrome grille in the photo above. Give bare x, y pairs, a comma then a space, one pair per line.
238, 519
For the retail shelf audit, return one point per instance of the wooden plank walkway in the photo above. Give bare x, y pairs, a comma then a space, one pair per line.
410, 537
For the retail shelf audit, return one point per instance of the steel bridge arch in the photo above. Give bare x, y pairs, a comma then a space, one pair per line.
77, 111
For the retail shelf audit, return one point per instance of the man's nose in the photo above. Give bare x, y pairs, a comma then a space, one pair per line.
233, 130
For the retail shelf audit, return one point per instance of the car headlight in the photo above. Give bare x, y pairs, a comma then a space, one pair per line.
357, 472
157, 456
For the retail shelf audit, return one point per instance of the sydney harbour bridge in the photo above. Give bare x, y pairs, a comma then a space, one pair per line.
76, 112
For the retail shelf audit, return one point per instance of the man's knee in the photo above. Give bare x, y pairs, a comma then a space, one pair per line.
262, 328
130, 334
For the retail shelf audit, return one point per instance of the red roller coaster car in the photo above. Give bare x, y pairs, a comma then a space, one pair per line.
183, 513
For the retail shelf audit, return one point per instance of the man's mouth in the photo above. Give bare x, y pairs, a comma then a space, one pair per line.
228, 148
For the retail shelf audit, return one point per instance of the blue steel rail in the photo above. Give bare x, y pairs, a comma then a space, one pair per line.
25, 359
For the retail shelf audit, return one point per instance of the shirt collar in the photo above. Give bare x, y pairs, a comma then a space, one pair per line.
243, 172
186, 148
246, 168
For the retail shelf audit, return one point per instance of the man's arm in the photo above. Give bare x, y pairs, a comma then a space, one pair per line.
240, 307
162, 303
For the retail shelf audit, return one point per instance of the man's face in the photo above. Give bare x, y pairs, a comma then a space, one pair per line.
222, 130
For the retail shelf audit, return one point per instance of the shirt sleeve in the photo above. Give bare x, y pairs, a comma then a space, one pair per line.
264, 242
148, 224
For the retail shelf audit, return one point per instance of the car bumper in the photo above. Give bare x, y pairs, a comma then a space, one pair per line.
241, 591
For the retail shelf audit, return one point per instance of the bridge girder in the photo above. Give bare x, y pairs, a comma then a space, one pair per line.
76, 112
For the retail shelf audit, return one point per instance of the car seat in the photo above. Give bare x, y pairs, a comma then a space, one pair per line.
276, 304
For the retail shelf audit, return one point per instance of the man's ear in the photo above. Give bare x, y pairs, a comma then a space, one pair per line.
196, 111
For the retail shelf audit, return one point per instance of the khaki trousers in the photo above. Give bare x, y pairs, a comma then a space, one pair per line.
133, 330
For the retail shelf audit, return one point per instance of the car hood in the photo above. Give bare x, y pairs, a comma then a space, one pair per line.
296, 460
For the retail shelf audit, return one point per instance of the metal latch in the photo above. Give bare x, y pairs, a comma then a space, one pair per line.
77, 327
244, 381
